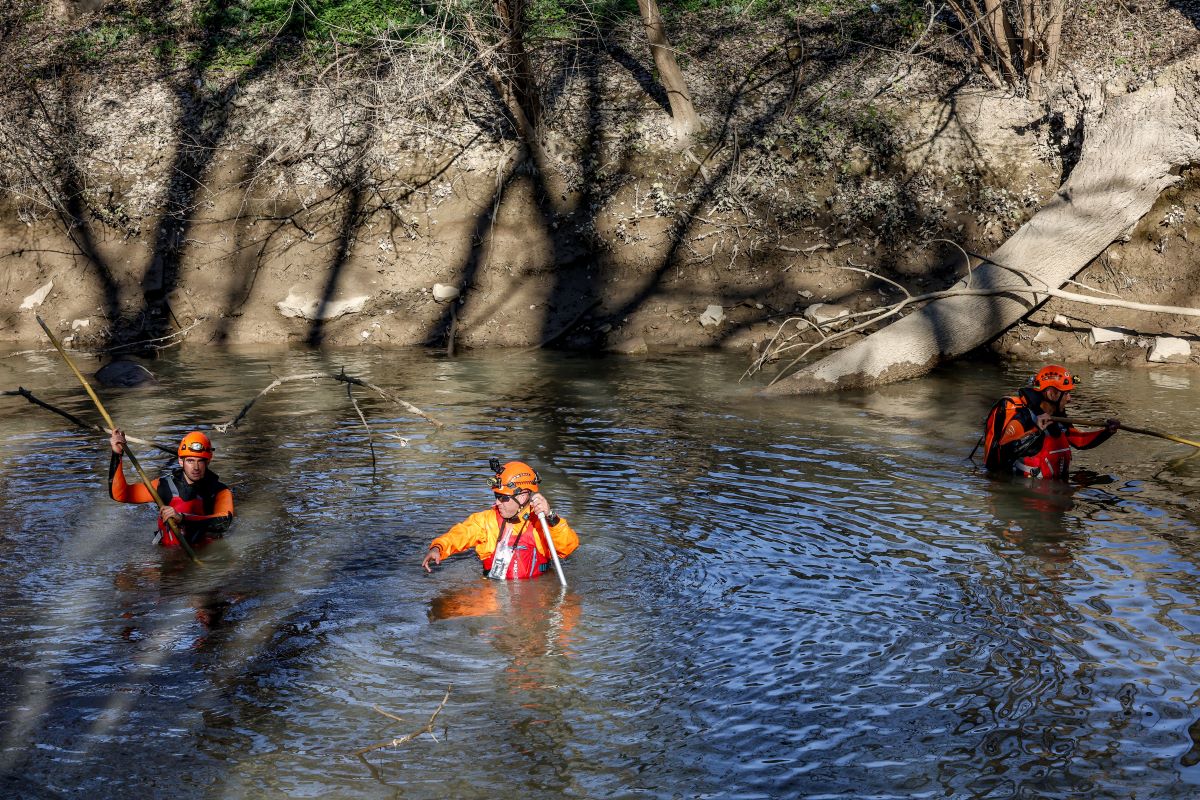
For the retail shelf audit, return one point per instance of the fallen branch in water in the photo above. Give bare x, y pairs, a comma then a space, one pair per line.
225, 426
370, 438
402, 403
407, 737
28, 395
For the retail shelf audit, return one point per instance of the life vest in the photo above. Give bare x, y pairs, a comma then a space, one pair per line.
1052, 460
1009, 413
516, 556
197, 504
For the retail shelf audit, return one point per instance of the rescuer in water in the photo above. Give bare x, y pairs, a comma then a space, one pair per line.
508, 537
1021, 437
191, 493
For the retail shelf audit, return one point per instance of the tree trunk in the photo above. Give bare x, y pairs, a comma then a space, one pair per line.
1053, 37
519, 89
685, 121
1128, 159
1004, 42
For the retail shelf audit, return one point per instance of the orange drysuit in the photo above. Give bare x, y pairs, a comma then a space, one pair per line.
207, 505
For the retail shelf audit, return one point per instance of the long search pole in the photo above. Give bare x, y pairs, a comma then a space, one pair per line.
1099, 423
550, 546
171, 523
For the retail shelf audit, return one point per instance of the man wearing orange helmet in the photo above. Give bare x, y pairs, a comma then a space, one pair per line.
191, 493
508, 537
1020, 435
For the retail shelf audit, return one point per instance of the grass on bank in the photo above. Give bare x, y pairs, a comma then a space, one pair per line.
225, 33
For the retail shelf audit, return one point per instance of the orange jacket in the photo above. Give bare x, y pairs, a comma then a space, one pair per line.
482, 530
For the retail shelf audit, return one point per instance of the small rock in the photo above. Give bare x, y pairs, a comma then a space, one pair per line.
1105, 335
806, 294
1169, 350
124, 373
80, 323
712, 316
1062, 321
820, 313
37, 298
1044, 335
444, 293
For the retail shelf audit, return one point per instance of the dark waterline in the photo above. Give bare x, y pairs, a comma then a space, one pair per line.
809, 598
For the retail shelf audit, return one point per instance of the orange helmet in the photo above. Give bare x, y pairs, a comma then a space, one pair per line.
514, 476
196, 445
1052, 375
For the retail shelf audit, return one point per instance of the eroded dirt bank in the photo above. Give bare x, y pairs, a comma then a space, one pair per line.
262, 206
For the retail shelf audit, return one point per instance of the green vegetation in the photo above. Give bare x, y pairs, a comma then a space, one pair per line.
233, 34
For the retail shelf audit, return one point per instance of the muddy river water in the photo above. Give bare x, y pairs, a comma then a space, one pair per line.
817, 597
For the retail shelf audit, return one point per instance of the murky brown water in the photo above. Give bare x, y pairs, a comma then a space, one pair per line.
809, 598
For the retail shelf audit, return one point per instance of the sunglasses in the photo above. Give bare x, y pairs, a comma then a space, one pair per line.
506, 497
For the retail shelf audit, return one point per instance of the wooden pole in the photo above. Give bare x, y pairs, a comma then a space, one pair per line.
171, 523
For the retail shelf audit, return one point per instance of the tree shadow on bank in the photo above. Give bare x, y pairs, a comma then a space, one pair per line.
581, 263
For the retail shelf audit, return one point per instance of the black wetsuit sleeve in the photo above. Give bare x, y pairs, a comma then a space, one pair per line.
114, 464
210, 526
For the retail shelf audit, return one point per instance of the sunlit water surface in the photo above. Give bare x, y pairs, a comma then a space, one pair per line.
817, 597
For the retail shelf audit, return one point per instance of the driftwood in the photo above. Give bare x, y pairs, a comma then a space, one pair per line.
233, 423
21, 391
428, 728
342, 376
407, 406
1129, 157
831, 330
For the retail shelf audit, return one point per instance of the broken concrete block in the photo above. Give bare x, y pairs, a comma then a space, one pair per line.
1169, 350
1105, 335
1044, 335
37, 298
311, 308
712, 316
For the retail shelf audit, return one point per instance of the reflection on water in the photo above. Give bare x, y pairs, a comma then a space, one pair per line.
810, 598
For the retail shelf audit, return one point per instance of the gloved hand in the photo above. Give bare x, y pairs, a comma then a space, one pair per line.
1112, 425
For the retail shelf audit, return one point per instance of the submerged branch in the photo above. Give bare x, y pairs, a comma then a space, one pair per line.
28, 395
402, 403
428, 728
370, 438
